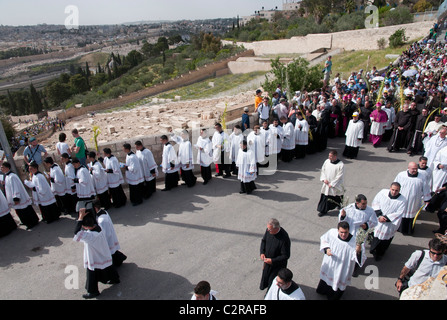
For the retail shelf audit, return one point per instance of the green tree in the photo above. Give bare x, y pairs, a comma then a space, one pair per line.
79, 84
296, 75
57, 92
36, 105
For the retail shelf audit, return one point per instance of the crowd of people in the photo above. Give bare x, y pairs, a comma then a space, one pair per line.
404, 105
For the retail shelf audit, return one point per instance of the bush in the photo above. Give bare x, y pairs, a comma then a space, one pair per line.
400, 15
381, 43
398, 38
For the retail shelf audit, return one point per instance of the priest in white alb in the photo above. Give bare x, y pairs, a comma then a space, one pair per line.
114, 178
341, 253
389, 205
18, 198
354, 137
416, 191
134, 175
204, 155
301, 135
436, 143
150, 170
246, 164
42, 194
185, 158
169, 164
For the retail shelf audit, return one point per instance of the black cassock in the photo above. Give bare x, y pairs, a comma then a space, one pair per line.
277, 248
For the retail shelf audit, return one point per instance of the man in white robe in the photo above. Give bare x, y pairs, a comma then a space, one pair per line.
114, 178
221, 151
150, 170
57, 183
341, 253
84, 185
301, 135
433, 127
235, 139
18, 198
185, 158
440, 169
284, 288
265, 130
332, 191
69, 173
425, 172
246, 164
99, 179
7, 222
276, 136
414, 189
134, 176
288, 140
169, 164
256, 143
354, 137
105, 222
358, 215
97, 258
204, 155
42, 194
436, 143
389, 206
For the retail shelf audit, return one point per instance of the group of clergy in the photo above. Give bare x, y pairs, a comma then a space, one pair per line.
71, 186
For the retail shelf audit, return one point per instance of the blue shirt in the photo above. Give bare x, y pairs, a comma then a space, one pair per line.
245, 120
34, 153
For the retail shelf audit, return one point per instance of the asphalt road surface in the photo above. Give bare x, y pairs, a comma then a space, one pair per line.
177, 238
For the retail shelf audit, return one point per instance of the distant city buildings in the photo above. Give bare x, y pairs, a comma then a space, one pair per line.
268, 14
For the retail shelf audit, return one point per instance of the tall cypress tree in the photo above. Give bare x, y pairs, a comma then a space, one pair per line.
36, 105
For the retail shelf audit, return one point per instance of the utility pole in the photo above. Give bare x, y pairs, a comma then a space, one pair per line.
7, 149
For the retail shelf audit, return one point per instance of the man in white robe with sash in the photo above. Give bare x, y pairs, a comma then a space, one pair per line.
150, 170
354, 137
99, 178
414, 189
169, 164
389, 206
341, 253
114, 178
185, 158
42, 194
204, 155
134, 176
18, 198
97, 258
246, 164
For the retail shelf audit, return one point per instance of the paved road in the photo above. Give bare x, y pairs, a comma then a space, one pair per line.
178, 238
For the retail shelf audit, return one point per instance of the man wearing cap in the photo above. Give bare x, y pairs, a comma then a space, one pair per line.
33, 152
354, 136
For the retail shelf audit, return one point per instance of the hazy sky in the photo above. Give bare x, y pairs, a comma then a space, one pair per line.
93, 12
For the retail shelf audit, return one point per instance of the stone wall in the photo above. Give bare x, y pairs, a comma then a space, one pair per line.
363, 39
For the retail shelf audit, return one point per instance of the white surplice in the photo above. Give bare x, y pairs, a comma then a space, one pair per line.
96, 250
58, 184
356, 217
336, 270
256, 143
414, 189
354, 133
147, 163
114, 178
204, 151
246, 164
106, 224
393, 209
99, 177
14, 189
134, 172
301, 132
334, 173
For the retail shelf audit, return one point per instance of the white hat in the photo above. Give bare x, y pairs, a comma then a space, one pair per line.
355, 114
